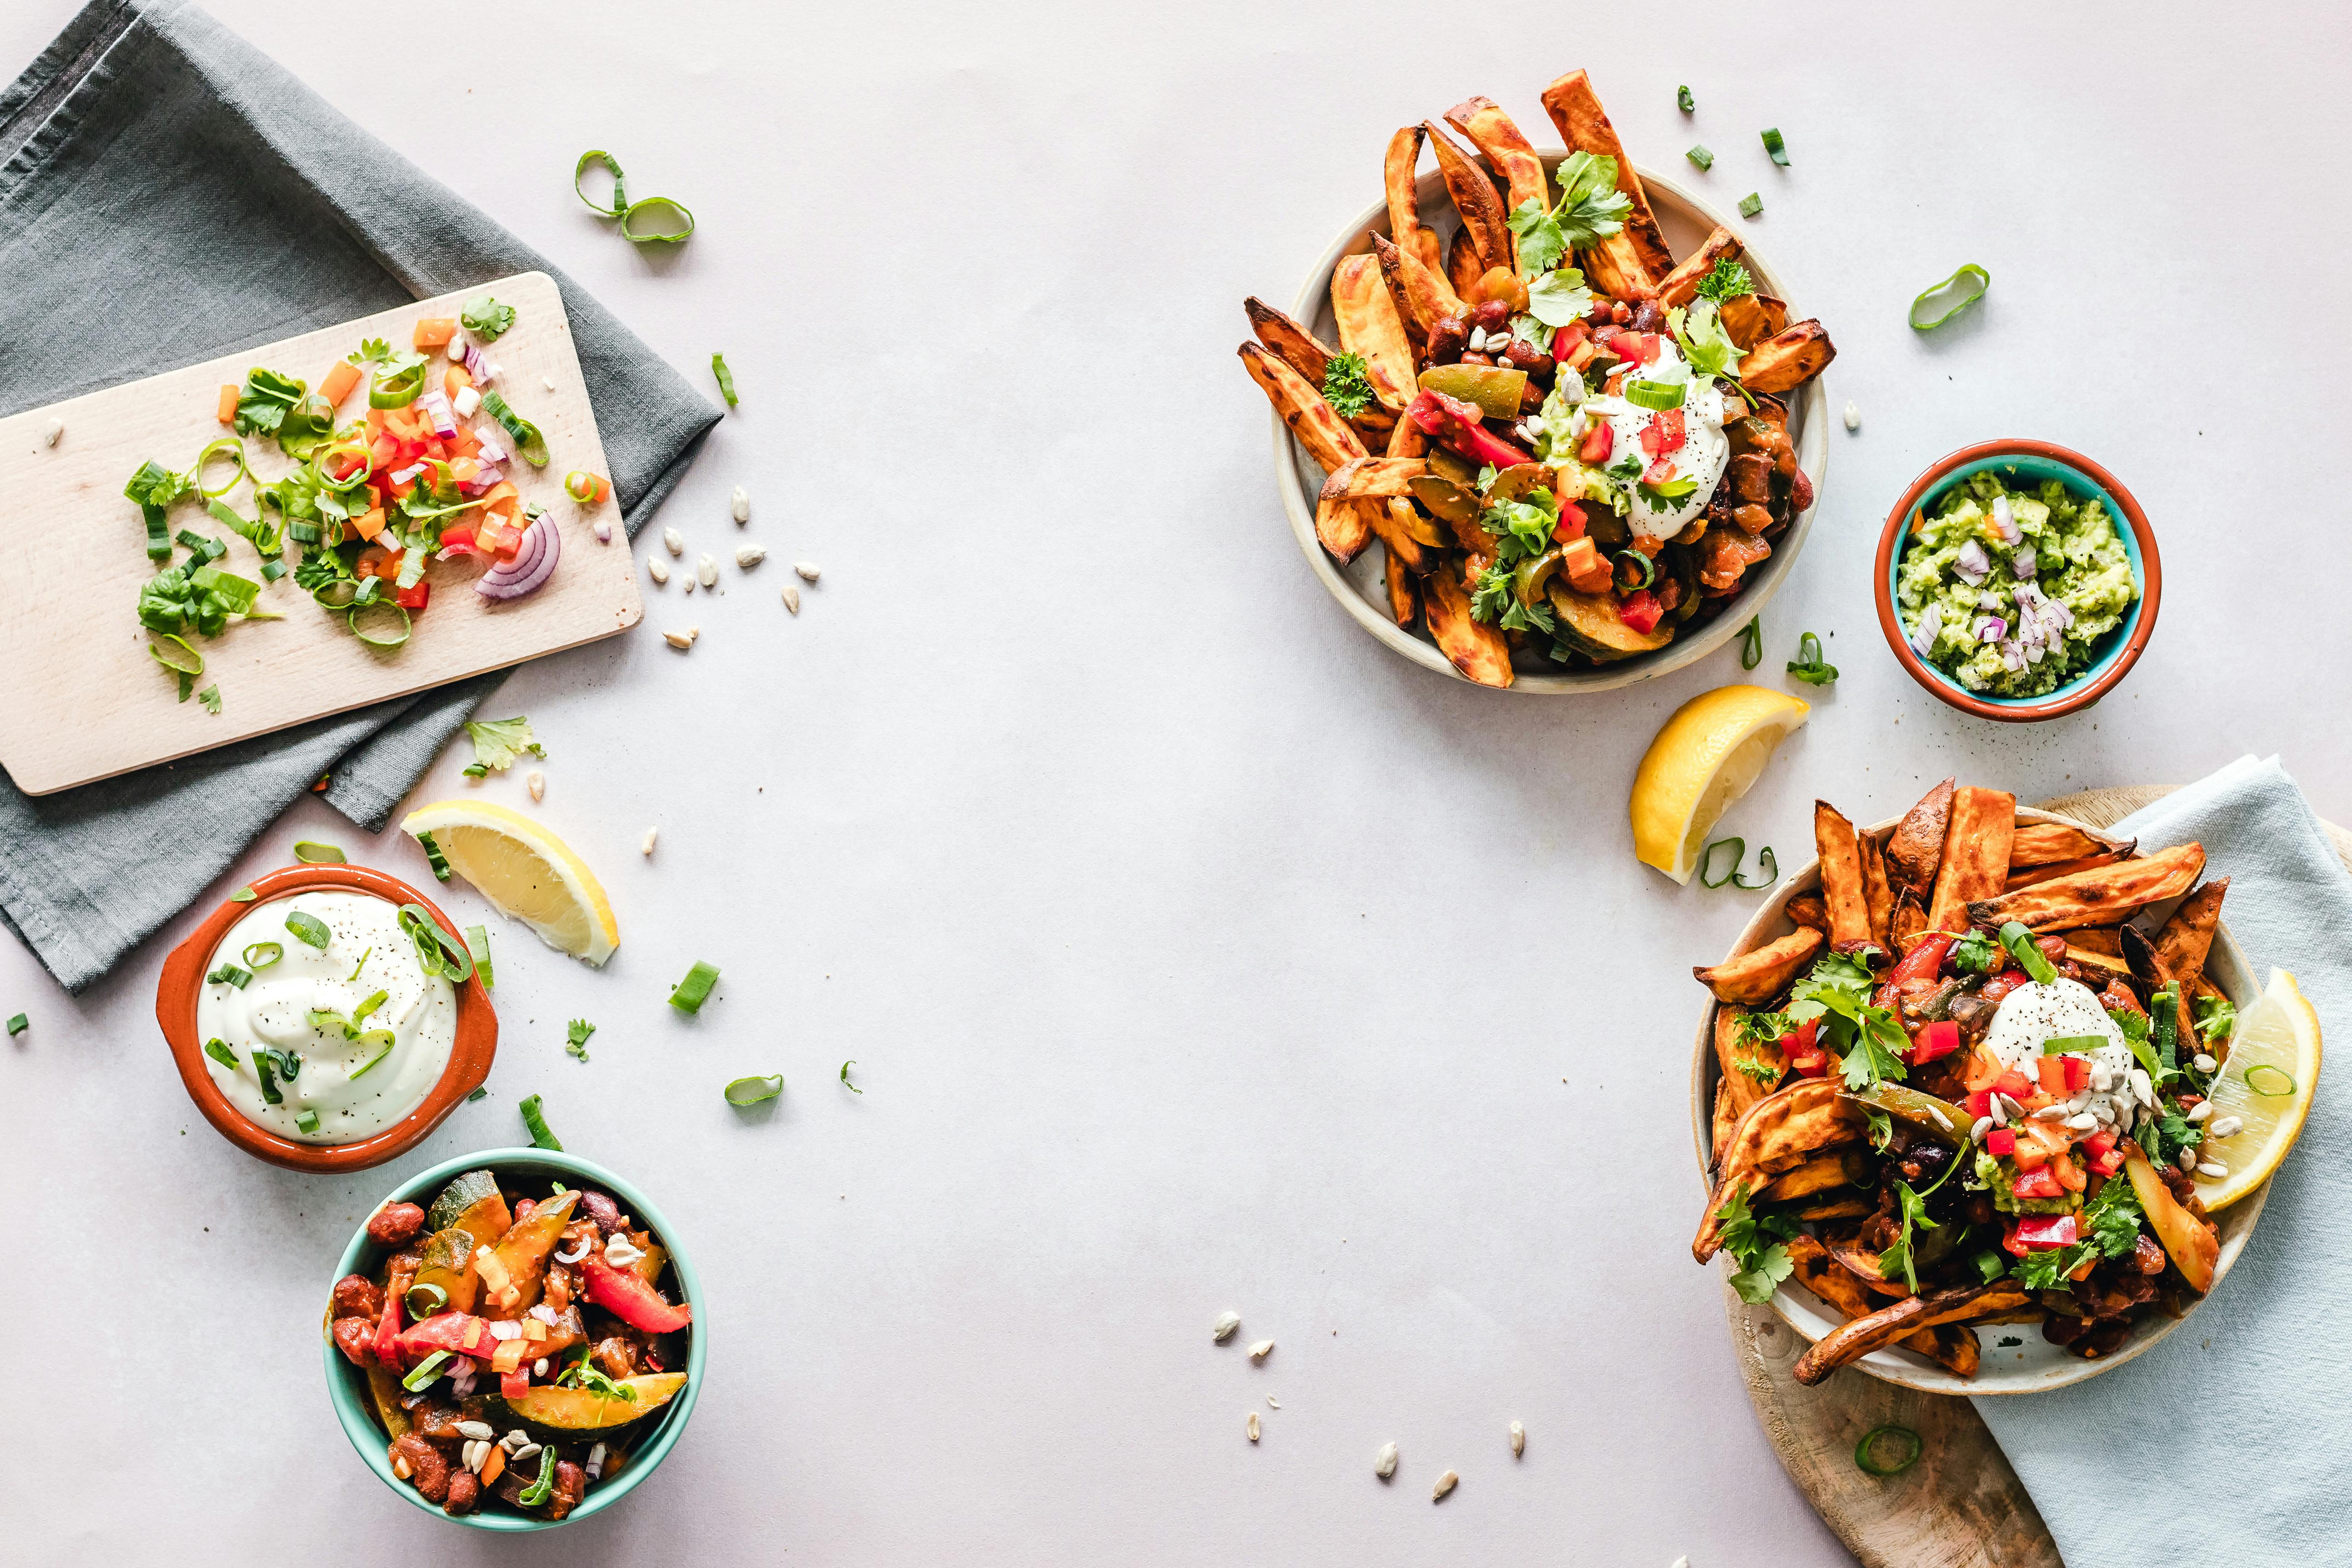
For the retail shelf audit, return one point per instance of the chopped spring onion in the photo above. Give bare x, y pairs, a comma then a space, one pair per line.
478, 943
439, 952
846, 1084
620, 183
753, 1090
433, 857
423, 1300
230, 975
180, 659
1633, 570
529, 442
430, 1368
226, 446
159, 534
374, 1001
309, 928
243, 895
1776, 148
1809, 665
1701, 156
310, 852
1865, 1453
261, 1069
541, 1138
2028, 953
378, 1040
307, 1120
378, 635
726, 378
336, 593
580, 486
302, 533
261, 955
2282, 1075
402, 387
1767, 866
478, 1093
1684, 102
217, 1049
1751, 642
1968, 285
2074, 1044
1750, 205
688, 995
365, 952
536, 1493
1656, 395
656, 205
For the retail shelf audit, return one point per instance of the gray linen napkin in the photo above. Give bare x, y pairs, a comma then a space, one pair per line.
2226, 1443
168, 194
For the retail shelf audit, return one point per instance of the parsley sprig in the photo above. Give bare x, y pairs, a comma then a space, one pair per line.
1348, 385
1757, 1243
1727, 282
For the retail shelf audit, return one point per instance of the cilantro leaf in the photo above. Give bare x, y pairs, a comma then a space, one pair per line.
1755, 1243
486, 318
156, 486
1914, 1214
2108, 1227
1756, 1283
2216, 1018
1557, 298
576, 1037
1346, 385
1590, 207
1698, 331
1870, 1041
499, 741
266, 400
1882, 1133
1728, 281
1978, 953
210, 697
369, 351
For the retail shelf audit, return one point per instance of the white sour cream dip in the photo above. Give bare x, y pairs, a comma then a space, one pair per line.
1700, 458
354, 1088
2034, 1013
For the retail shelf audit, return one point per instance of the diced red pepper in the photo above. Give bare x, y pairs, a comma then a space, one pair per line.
513, 1385
414, 598
2014, 1084
1433, 411
627, 1297
2000, 1141
2078, 1072
1814, 1066
1658, 472
460, 1333
2040, 1182
2107, 1164
1571, 522
1639, 610
387, 1330
1456, 424
1599, 439
1939, 1039
1670, 429
2044, 1232
1979, 1103
1565, 340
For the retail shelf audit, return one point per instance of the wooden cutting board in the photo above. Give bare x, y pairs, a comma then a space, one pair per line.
87, 702
1960, 1506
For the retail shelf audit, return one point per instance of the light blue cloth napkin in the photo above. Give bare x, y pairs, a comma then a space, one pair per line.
2240, 1452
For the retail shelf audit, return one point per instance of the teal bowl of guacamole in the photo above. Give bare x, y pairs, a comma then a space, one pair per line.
2016, 580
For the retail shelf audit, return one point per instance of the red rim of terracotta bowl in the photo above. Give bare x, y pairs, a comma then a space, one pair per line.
176, 994
2074, 699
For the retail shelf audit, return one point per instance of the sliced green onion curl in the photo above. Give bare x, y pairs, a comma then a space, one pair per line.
1633, 570
378, 635
529, 442
655, 205
1767, 866
243, 895
1751, 642
2074, 1044
752, 1091
374, 1001
178, 656
541, 1138
217, 1049
307, 1120
336, 593
269, 1094
478, 943
309, 928
365, 952
688, 995
1683, 99
430, 1368
1655, 395
399, 389
726, 378
1968, 285
423, 1300
1809, 667
580, 486
1865, 1453
1701, 156
433, 857
226, 446
620, 183
2282, 1075
261, 955
536, 1493
381, 1041
2028, 953
439, 952
310, 852
1750, 205
1776, 148
230, 975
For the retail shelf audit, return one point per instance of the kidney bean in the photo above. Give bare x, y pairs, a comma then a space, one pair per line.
570, 1486
429, 1468
1445, 342
1620, 312
396, 1223
601, 1208
1477, 359
355, 1337
1647, 317
465, 1492
1531, 398
1492, 314
356, 1297
1602, 311
1801, 491
1528, 358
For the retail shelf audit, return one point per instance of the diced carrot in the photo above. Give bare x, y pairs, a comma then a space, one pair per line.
602, 488
2052, 1070
465, 443
463, 468
402, 422
495, 538
376, 421
454, 377
1983, 1068
504, 500
432, 332
227, 405
338, 382
369, 523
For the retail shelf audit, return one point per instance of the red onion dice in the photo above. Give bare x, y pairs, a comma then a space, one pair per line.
2004, 521
1991, 629
1923, 636
2021, 564
1972, 564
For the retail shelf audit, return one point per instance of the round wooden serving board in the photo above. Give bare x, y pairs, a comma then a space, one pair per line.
1960, 1506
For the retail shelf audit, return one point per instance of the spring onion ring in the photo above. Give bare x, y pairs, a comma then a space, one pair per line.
230, 975
1750, 205
1644, 571
620, 183
1809, 667
1767, 866
478, 943
541, 1138
183, 660
337, 593
451, 958
1655, 395
1776, 149
1684, 102
229, 446
688, 995
379, 1038
324, 457
307, 927
674, 237
1969, 284
580, 486
1751, 642
2288, 1078
529, 442
423, 1300
755, 1091
1864, 1456
2028, 953
306, 1120
269, 1094
430, 1368
374, 1001
217, 1049
1701, 156
375, 637
726, 378
399, 389
261, 955
312, 852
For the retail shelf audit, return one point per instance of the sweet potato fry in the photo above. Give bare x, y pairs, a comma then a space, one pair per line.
1863, 1264
1462, 263
1909, 923
1751, 319
1762, 973
1292, 343
1850, 1342
1364, 478
2046, 843
2188, 937
2099, 965
2150, 974
1842, 891
1680, 287
2031, 875
2100, 896
1876, 896
1842, 1168
1477, 649
1807, 909
1428, 297
1368, 325
1412, 538
1751, 1070
1474, 198
1327, 436
1816, 1270
1917, 848
1854, 1207
1788, 359
1976, 854
2105, 941
1344, 527
1398, 178
1775, 1135
1628, 264
1514, 157
1404, 591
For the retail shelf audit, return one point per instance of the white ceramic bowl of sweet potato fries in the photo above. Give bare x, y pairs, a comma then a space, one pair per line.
2031, 1366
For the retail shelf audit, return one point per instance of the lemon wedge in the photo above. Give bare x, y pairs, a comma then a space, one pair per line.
526, 871
1714, 748
2265, 1088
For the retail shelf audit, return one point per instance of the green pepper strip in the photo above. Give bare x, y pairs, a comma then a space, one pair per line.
1971, 282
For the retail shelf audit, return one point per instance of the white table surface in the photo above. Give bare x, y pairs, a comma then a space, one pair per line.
1195, 952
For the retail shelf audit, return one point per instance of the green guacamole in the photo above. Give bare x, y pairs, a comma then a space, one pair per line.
2076, 588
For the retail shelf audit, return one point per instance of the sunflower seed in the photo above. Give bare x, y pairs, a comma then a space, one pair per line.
657, 569
2203, 1063
1261, 1350
473, 1454
647, 847
2225, 1126
1518, 1439
1222, 1329
1272, 1403
807, 569
682, 638
2016, 1111
709, 572
476, 1429
749, 556
539, 1367
674, 540
536, 782
1250, 1426
1998, 1111
51, 431
529, 1450
515, 1440
1384, 1462
2186, 1160
1941, 1120
2202, 1109
1478, 343
2083, 1123
1977, 1129
1446, 1483
689, 581
2214, 1168
792, 599
2142, 1087
1852, 417
740, 502
2049, 1113
2102, 1080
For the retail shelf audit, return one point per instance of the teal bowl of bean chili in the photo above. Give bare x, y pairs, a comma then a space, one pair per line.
347, 1384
